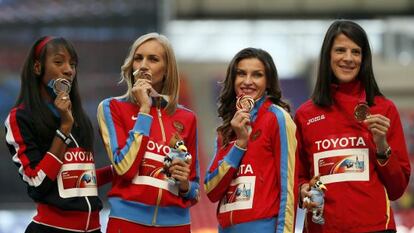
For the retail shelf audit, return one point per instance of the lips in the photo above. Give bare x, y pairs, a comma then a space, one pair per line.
347, 68
248, 91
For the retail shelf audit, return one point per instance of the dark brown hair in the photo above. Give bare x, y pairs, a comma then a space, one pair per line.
227, 98
45, 121
322, 92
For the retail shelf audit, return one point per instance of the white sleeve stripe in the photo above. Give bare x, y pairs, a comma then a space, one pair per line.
34, 181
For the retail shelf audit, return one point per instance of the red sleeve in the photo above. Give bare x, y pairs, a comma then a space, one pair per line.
104, 175
395, 173
125, 147
222, 169
303, 165
193, 193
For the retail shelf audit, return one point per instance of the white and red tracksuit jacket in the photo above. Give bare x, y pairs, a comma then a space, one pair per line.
137, 144
342, 151
259, 182
65, 192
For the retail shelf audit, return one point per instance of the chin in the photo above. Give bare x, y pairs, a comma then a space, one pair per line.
346, 79
254, 96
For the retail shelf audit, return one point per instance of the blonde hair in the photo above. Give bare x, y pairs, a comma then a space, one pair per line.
171, 85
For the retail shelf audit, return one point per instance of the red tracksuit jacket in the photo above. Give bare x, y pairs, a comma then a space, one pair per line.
340, 149
257, 183
136, 145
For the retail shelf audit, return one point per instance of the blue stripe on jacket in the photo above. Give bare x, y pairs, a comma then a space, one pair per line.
143, 214
287, 129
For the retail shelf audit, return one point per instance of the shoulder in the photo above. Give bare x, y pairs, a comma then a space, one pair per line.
18, 115
20, 112
278, 111
384, 105
305, 107
185, 112
111, 102
308, 110
383, 101
114, 100
281, 116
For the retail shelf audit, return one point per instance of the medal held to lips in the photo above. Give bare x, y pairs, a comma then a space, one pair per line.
61, 85
361, 112
244, 102
141, 74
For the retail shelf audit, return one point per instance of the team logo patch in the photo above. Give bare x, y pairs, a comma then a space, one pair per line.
178, 126
255, 135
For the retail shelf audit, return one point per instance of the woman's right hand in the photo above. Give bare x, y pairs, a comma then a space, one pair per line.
64, 107
140, 91
240, 124
306, 195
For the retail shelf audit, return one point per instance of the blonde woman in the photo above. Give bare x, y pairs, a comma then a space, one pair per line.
137, 129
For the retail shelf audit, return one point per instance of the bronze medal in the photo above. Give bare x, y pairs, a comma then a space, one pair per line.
244, 102
361, 112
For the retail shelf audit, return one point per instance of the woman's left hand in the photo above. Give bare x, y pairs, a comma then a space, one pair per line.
378, 125
180, 170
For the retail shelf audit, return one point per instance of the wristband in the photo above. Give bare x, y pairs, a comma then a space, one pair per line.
64, 138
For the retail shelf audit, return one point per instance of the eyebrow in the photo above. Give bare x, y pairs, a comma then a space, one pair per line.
254, 71
152, 54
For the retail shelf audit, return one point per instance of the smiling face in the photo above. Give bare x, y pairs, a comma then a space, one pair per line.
149, 57
346, 58
250, 78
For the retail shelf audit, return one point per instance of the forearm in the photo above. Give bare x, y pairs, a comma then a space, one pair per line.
394, 175
217, 180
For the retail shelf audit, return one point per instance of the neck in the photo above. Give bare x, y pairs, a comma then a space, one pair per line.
350, 88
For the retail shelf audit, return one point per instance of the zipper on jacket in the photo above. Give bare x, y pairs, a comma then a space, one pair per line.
161, 125
164, 139
89, 214
231, 218
154, 218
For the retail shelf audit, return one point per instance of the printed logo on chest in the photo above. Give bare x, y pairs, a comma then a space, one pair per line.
245, 169
316, 119
255, 135
75, 155
343, 142
178, 126
158, 148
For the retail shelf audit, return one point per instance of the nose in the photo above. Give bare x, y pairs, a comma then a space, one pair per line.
69, 70
144, 66
348, 56
248, 80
